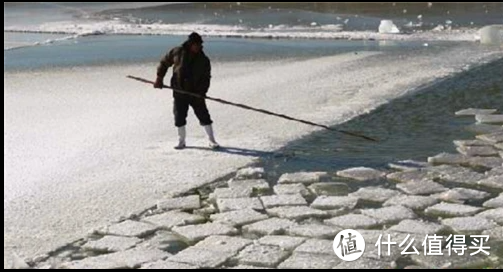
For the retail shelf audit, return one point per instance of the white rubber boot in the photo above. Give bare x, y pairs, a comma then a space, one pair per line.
181, 138
211, 137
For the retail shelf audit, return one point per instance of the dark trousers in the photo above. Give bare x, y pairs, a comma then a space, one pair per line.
181, 109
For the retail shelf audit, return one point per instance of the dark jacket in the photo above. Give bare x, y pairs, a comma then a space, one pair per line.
191, 73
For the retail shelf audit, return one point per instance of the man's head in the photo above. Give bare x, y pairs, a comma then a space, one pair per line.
195, 42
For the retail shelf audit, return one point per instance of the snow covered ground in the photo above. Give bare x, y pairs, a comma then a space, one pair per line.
84, 146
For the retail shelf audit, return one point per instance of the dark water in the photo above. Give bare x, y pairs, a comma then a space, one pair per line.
354, 16
412, 127
107, 50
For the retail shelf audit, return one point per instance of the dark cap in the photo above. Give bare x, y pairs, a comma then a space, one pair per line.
195, 38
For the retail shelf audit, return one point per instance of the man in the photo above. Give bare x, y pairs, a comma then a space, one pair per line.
191, 73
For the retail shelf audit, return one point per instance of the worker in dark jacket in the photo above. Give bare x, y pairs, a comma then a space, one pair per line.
191, 73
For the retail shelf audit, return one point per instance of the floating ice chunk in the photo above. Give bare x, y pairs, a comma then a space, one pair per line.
446, 158
314, 24
439, 28
465, 143
388, 27
477, 151
494, 138
492, 34
480, 128
459, 195
490, 118
361, 173
408, 165
472, 111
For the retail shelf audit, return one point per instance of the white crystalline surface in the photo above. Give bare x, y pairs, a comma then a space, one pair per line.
84, 146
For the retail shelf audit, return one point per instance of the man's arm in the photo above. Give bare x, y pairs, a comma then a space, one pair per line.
166, 62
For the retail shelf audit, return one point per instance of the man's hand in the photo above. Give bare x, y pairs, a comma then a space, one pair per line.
158, 83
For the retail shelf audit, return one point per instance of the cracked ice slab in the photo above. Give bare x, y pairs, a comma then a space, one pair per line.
487, 162
477, 151
423, 187
329, 188
495, 234
283, 200
164, 240
361, 173
235, 204
411, 201
470, 225
449, 209
496, 202
375, 194
366, 263
223, 244
309, 261
353, 221
457, 174
479, 128
130, 229
496, 171
169, 220
495, 119
238, 218
194, 233
407, 165
390, 214
167, 265
476, 142
474, 112
269, 226
493, 182
203, 258
112, 244
493, 138
297, 213
446, 158
237, 192
493, 214
253, 184
412, 176
131, 259
302, 177
460, 195
454, 261
180, 203
334, 202
262, 255
314, 231
418, 227
284, 242
316, 246
291, 189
